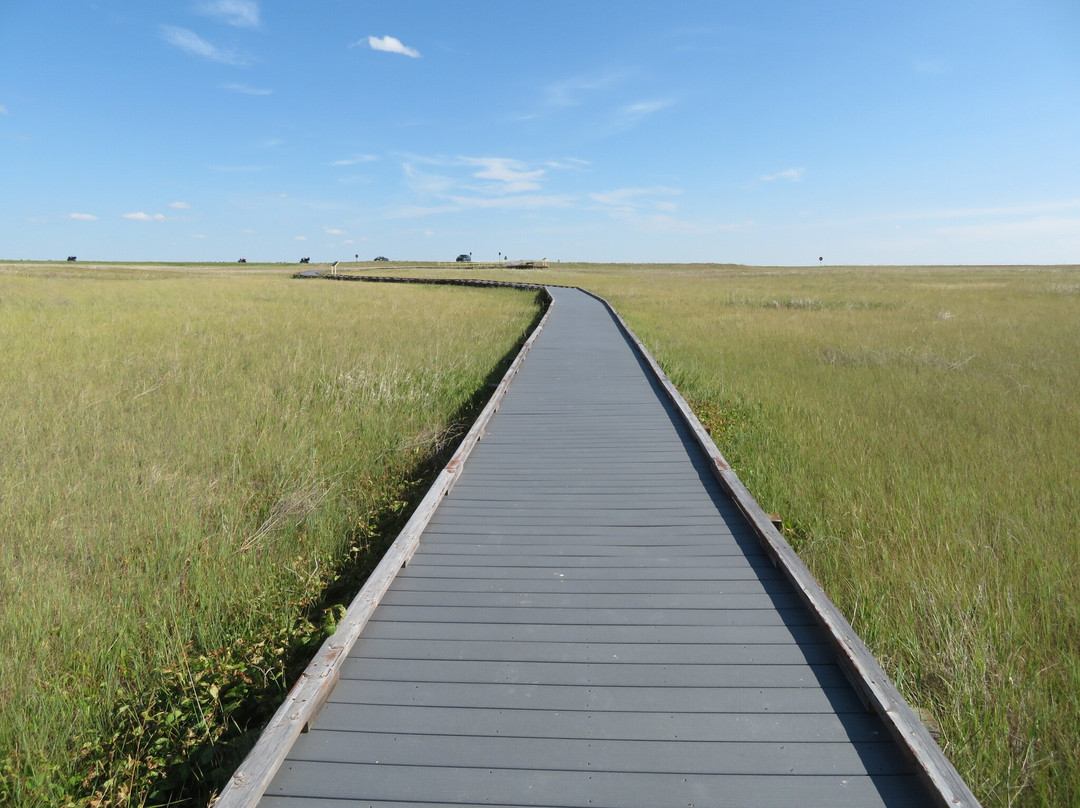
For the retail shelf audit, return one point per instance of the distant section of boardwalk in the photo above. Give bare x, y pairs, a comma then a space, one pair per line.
590, 621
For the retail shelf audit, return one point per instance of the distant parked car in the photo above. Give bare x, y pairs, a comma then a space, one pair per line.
381, 258
464, 258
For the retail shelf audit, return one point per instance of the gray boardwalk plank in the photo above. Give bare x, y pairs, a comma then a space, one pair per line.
589, 621
483, 785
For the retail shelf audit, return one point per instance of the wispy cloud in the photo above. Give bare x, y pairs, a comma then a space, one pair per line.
790, 174
572, 92
144, 217
631, 115
528, 202
355, 160
388, 44
509, 175
3, 110
83, 217
180, 206
509, 185
627, 201
333, 231
243, 89
643, 109
241, 13
425, 183
300, 238
194, 44
569, 162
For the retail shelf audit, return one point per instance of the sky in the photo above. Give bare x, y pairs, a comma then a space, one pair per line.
771, 132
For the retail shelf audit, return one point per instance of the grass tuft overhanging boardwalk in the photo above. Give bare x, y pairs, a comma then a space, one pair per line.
591, 620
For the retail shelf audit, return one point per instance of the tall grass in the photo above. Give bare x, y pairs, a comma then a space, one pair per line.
184, 459
918, 429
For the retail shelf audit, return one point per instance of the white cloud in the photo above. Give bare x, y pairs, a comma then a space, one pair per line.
333, 231
790, 174
569, 93
512, 175
301, 238
3, 110
513, 202
144, 217
180, 206
243, 89
644, 108
625, 201
389, 44
569, 162
356, 160
241, 13
83, 217
191, 42
425, 183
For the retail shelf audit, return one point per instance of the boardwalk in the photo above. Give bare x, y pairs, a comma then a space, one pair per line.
590, 621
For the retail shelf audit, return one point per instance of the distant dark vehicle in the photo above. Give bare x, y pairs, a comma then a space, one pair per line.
72, 258
242, 261
464, 258
381, 258
305, 260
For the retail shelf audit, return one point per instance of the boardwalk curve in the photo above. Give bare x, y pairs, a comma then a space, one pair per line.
593, 617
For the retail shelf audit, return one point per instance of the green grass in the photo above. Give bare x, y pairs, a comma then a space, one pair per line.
188, 458
918, 429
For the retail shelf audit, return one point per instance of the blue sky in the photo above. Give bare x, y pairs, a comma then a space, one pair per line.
751, 132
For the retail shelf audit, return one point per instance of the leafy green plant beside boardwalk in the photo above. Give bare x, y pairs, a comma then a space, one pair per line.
196, 469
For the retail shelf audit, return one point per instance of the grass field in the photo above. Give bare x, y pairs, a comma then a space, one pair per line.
188, 460
918, 429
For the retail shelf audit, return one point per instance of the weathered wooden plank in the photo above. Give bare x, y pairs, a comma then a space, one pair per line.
584, 673
534, 650
420, 784
588, 755
601, 698
644, 587
750, 728
588, 616
712, 573
710, 601
378, 628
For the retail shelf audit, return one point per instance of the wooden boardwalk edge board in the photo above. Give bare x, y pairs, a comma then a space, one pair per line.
309, 694
866, 675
